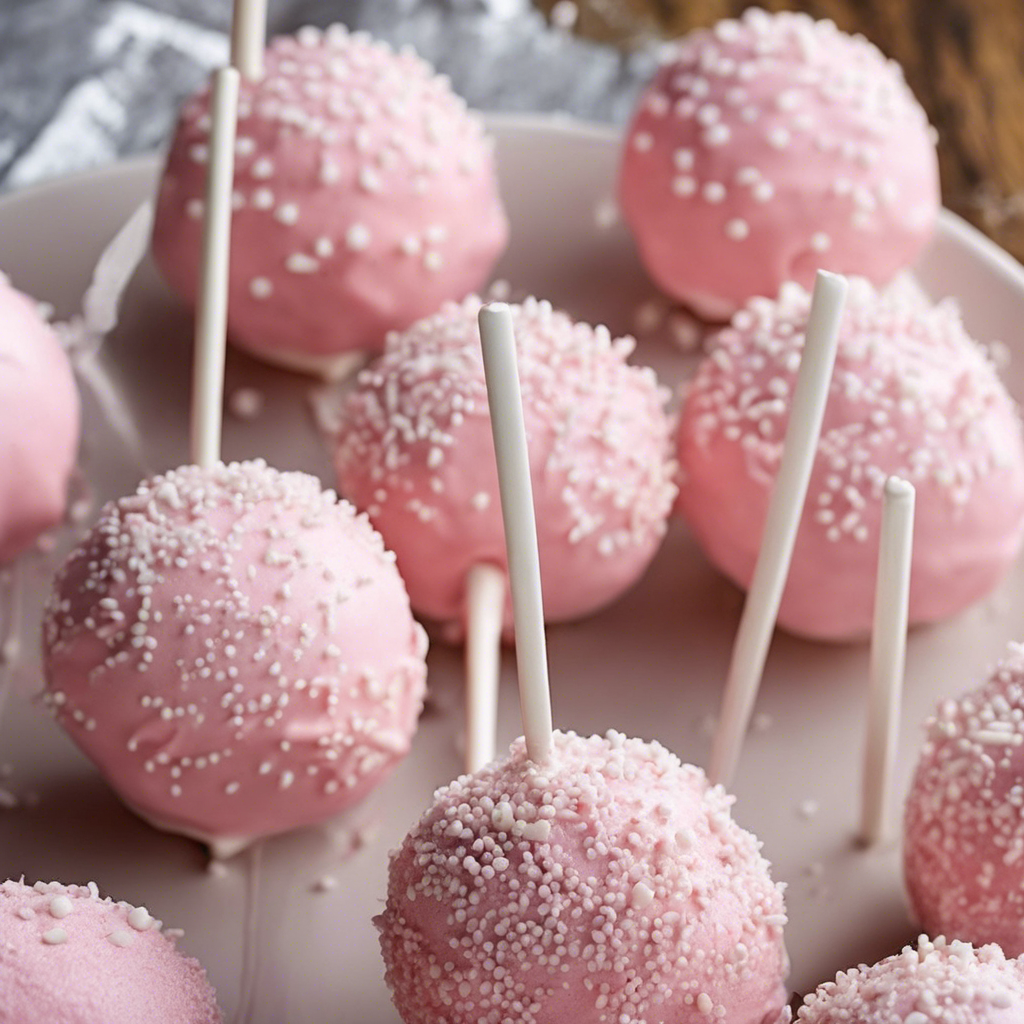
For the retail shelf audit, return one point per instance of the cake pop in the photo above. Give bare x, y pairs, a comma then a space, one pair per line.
608, 884
68, 955
912, 395
234, 649
769, 147
415, 451
39, 423
938, 982
963, 833
365, 196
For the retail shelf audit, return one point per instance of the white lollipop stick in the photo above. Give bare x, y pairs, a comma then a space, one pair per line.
757, 622
249, 37
485, 601
212, 300
502, 374
888, 654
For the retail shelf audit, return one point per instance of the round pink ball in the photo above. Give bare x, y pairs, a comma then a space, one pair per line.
39, 424
68, 955
963, 829
416, 452
936, 982
769, 147
234, 649
912, 395
365, 196
610, 884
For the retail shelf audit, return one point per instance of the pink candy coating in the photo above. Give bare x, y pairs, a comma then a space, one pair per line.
610, 884
365, 196
39, 422
234, 649
769, 147
963, 844
938, 982
68, 956
911, 395
416, 452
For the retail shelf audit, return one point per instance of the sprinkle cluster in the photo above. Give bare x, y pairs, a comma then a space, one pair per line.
59, 902
234, 648
938, 982
610, 885
416, 438
912, 394
964, 827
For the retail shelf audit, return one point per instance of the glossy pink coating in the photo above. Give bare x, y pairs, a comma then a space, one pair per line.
963, 849
68, 956
769, 147
39, 423
912, 395
415, 450
610, 884
934, 982
234, 649
365, 196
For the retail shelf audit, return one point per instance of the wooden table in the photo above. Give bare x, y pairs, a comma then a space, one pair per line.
964, 59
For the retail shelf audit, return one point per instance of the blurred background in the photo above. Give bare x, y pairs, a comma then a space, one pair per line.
86, 82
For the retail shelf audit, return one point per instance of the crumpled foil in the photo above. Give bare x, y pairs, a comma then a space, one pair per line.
84, 84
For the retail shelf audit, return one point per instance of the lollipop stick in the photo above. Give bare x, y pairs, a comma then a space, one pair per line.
212, 301
485, 606
784, 510
249, 37
502, 374
888, 653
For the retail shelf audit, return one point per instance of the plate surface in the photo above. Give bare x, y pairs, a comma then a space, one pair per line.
668, 641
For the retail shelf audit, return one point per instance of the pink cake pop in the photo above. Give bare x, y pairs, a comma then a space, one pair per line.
39, 419
609, 884
938, 982
235, 651
415, 451
68, 955
770, 147
913, 396
365, 196
963, 830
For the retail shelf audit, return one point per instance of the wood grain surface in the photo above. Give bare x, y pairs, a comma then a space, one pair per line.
964, 59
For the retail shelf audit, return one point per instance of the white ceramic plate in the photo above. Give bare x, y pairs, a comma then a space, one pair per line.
650, 666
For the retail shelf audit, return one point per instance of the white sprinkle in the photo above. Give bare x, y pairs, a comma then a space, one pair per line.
713, 192
737, 229
60, 907
260, 288
55, 937
683, 159
684, 186
643, 141
820, 242
717, 135
763, 191
642, 895
287, 213
323, 247
262, 199
263, 168
194, 209
779, 138
357, 238
120, 938
301, 263
140, 920
246, 403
